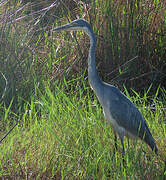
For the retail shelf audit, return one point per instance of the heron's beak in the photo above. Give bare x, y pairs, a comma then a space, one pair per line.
68, 27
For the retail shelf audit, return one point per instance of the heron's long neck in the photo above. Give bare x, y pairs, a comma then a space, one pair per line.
94, 79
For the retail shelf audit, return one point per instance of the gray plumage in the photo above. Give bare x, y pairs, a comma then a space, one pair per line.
121, 113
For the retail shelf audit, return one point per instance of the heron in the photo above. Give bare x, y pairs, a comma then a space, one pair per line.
120, 112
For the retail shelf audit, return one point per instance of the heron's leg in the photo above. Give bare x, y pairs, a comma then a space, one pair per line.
128, 142
123, 153
116, 147
115, 141
122, 144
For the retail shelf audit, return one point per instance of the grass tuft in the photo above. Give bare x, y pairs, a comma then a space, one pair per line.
65, 135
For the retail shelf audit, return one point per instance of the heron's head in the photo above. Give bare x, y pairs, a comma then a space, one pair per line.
79, 24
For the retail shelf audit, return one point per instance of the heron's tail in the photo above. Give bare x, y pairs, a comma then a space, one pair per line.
150, 140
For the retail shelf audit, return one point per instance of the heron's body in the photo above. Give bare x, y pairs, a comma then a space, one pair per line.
120, 112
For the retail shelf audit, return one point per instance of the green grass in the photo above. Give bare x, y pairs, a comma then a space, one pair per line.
65, 135
62, 132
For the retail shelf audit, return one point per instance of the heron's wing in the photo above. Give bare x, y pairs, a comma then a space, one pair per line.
127, 114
